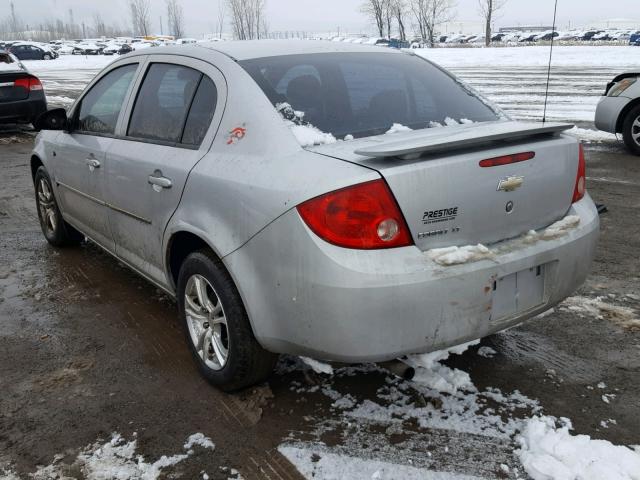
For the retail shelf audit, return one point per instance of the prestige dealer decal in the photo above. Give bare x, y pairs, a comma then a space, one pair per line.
439, 216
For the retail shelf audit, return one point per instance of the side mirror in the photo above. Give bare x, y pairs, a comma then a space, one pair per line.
55, 119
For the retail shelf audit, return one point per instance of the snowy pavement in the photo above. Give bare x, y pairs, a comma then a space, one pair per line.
515, 78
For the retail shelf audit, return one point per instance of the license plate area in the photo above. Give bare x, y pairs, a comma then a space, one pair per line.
518, 292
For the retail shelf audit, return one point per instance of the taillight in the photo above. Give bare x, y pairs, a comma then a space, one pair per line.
364, 216
581, 177
29, 83
507, 159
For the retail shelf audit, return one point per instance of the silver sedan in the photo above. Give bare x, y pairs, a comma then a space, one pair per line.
337, 201
619, 109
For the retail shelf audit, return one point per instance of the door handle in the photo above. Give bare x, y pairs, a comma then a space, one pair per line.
157, 180
93, 163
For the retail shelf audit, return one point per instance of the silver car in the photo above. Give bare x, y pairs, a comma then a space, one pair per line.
309, 198
619, 109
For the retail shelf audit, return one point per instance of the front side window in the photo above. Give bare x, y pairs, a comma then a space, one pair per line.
364, 94
100, 108
163, 102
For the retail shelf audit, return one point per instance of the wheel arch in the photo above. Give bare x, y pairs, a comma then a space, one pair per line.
623, 114
36, 163
180, 245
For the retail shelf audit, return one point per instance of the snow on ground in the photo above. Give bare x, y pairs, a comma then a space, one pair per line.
600, 309
515, 79
548, 452
322, 464
442, 398
433, 374
114, 460
69, 62
592, 136
618, 57
317, 366
59, 100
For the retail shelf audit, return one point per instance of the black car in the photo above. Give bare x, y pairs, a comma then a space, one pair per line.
22, 97
590, 34
125, 48
27, 51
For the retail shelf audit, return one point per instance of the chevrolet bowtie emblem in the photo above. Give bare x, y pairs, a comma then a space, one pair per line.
509, 184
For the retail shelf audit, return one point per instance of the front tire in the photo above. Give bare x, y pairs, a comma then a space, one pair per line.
47, 57
217, 326
57, 232
631, 130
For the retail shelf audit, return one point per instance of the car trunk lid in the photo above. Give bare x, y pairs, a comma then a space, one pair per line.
9, 91
448, 198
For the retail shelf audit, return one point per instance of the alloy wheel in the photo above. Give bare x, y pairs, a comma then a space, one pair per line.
635, 131
47, 207
207, 322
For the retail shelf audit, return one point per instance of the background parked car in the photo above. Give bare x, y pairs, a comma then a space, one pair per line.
619, 109
87, 49
32, 51
114, 48
66, 49
22, 98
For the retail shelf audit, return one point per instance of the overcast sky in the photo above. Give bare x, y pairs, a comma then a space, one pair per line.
327, 15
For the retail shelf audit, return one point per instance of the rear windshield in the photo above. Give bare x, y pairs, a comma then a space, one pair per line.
364, 94
7, 63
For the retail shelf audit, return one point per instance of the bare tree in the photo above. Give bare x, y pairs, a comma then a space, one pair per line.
175, 15
488, 9
221, 17
248, 18
140, 16
430, 14
377, 10
399, 10
15, 24
99, 27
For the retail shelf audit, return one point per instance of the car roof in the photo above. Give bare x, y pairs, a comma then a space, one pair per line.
252, 49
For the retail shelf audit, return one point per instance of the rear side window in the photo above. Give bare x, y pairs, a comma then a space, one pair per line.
100, 108
163, 102
201, 113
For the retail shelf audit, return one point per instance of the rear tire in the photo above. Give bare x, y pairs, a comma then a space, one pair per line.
57, 232
217, 326
631, 130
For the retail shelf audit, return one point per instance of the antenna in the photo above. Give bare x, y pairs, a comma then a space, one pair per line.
553, 37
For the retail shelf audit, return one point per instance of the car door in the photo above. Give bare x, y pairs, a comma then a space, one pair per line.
173, 119
20, 52
80, 153
31, 52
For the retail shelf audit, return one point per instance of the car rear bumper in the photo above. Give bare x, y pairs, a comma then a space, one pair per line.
23, 110
608, 111
307, 297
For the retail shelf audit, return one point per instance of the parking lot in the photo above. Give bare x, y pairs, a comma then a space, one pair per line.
89, 350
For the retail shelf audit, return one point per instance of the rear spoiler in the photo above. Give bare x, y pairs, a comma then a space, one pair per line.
413, 144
